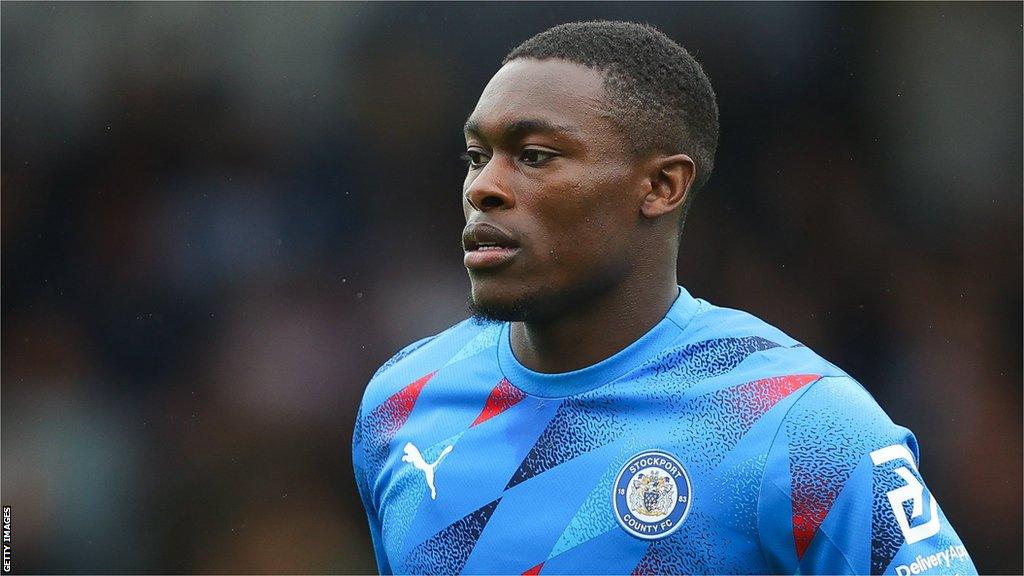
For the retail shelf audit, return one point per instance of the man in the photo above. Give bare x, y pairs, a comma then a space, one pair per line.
594, 417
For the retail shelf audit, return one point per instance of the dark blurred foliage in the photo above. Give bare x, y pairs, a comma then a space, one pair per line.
218, 219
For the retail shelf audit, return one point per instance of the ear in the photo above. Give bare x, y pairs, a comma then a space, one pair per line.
671, 178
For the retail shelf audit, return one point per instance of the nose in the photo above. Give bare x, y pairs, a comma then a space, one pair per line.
487, 191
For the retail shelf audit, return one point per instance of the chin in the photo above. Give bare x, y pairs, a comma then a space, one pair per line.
494, 300
490, 303
502, 311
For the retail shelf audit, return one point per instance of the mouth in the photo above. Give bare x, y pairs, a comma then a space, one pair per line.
487, 246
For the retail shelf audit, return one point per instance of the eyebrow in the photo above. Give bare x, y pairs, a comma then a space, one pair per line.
521, 127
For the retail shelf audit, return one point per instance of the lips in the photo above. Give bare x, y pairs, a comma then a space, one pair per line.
487, 246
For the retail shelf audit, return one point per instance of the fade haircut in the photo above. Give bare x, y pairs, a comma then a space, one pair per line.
661, 96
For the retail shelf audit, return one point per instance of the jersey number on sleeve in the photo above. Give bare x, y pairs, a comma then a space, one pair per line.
912, 491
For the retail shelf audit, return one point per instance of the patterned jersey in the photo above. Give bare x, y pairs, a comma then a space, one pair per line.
713, 444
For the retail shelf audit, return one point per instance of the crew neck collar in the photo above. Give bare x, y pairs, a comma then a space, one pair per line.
578, 381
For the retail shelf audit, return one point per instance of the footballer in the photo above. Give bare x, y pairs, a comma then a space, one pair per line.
594, 417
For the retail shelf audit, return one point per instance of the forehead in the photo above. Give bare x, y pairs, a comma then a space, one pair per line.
553, 91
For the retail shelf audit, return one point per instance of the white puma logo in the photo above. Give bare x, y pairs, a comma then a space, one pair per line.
413, 456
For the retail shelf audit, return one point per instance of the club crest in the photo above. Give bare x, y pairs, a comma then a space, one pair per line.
651, 495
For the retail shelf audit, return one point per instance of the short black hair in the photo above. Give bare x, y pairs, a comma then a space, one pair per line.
661, 94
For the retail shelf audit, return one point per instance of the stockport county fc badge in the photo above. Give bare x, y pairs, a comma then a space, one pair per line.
651, 495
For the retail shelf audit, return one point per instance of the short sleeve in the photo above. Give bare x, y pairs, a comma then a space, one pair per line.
365, 494
365, 438
842, 493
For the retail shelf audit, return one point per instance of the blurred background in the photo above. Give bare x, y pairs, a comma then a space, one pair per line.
219, 218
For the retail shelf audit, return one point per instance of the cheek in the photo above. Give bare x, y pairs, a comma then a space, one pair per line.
590, 223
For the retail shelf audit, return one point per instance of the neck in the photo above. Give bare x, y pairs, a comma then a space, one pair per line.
605, 325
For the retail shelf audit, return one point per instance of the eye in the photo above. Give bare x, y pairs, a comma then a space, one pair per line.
474, 158
535, 156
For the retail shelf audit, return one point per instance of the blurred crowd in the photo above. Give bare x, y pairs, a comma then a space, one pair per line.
219, 218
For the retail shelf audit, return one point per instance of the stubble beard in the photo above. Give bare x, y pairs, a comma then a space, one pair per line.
528, 308
542, 305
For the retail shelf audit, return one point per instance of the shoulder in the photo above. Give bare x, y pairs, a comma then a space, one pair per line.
832, 398
730, 347
711, 321
811, 408
838, 416
834, 429
427, 355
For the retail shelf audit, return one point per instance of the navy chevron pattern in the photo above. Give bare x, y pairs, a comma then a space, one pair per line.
592, 420
447, 551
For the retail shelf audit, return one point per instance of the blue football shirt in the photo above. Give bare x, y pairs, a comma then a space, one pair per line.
713, 444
